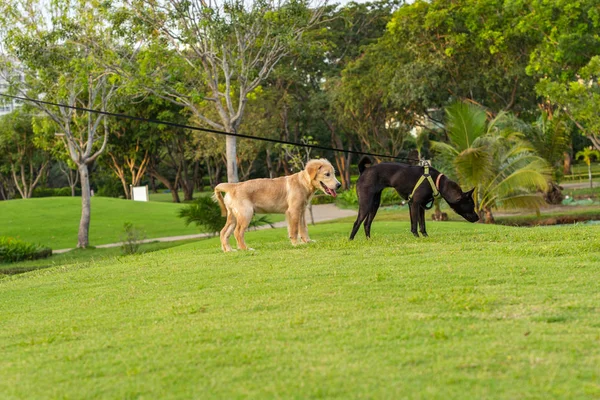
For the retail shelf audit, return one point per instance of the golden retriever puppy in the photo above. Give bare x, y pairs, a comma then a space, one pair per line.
287, 195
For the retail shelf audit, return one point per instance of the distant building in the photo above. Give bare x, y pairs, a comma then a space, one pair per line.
7, 105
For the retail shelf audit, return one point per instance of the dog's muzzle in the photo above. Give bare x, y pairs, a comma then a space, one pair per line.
328, 191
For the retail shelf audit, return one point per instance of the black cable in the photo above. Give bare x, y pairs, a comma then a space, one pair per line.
173, 124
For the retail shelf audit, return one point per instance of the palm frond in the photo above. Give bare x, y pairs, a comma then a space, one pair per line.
532, 201
523, 179
443, 148
473, 165
465, 123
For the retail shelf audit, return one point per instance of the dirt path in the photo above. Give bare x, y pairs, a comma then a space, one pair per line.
579, 185
321, 213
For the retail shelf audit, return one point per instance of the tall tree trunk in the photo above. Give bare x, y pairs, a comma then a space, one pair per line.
489, 217
188, 191
566, 163
16, 180
153, 184
3, 195
86, 210
200, 181
187, 183
342, 161
218, 170
120, 173
232, 170
197, 184
270, 164
26, 188
211, 180
590, 175
172, 187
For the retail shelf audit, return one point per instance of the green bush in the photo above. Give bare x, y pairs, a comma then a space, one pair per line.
66, 191
349, 198
132, 239
42, 192
55, 192
206, 214
110, 188
13, 250
323, 199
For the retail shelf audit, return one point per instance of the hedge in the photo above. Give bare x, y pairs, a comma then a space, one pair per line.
13, 250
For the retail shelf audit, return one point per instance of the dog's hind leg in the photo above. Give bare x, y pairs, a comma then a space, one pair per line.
422, 222
227, 231
243, 216
303, 228
365, 204
362, 214
372, 212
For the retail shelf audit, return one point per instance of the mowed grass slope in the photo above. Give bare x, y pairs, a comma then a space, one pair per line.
54, 221
474, 311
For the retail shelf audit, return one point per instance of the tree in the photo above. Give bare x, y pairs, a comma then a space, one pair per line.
579, 98
220, 53
566, 62
52, 140
134, 142
550, 138
22, 150
494, 158
586, 155
63, 59
443, 50
340, 103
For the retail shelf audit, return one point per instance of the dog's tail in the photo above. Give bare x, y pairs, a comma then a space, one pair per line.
218, 197
363, 162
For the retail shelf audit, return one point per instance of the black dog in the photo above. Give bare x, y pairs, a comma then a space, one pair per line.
403, 178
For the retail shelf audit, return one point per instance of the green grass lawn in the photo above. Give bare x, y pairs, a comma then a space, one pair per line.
473, 311
54, 221
77, 256
580, 173
164, 197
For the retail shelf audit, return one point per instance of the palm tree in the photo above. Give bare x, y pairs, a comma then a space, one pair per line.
550, 138
586, 154
493, 157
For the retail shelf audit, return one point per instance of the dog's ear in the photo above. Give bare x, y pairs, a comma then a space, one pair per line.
313, 167
470, 193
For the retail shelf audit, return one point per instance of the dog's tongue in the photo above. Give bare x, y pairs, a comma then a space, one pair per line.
332, 192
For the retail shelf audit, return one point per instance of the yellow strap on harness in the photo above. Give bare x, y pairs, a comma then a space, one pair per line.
436, 192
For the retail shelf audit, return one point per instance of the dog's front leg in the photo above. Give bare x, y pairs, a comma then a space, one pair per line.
293, 219
422, 222
414, 218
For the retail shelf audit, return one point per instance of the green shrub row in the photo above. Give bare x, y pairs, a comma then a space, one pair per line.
55, 192
13, 250
349, 198
206, 215
322, 199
